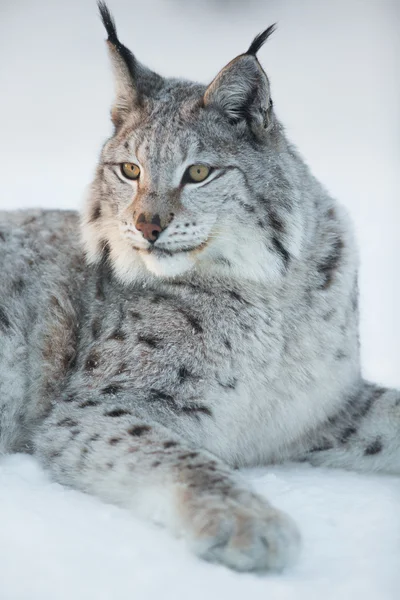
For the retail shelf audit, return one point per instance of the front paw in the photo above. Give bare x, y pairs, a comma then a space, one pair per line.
241, 531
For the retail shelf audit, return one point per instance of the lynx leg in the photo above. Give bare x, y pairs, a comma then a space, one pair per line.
364, 435
145, 467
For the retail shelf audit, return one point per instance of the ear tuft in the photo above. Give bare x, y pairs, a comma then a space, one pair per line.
123, 51
260, 40
108, 23
133, 81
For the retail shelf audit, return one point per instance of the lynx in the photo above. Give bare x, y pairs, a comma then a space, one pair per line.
202, 316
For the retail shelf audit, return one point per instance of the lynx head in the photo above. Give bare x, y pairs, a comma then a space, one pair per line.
191, 176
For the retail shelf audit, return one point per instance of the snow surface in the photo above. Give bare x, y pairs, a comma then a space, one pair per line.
59, 544
334, 72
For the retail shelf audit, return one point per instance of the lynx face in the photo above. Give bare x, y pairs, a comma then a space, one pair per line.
180, 183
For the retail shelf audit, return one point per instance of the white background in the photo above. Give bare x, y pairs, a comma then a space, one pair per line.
334, 66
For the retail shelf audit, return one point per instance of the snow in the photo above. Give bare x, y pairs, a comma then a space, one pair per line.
335, 85
60, 544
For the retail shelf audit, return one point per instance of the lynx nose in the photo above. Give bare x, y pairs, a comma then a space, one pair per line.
150, 227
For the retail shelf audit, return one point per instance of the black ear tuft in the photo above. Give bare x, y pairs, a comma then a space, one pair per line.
260, 39
108, 23
111, 29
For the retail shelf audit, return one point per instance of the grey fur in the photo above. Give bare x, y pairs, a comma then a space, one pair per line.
144, 373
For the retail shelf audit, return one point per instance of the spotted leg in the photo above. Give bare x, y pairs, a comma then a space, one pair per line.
143, 466
364, 435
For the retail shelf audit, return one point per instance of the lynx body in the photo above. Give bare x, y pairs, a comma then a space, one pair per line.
202, 316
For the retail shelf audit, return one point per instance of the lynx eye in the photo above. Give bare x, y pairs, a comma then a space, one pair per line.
196, 173
130, 170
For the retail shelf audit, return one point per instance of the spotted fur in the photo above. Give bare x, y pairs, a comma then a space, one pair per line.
145, 371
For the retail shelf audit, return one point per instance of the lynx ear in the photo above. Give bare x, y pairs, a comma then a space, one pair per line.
241, 89
133, 81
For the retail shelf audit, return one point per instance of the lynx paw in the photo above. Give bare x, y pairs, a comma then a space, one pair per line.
243, 533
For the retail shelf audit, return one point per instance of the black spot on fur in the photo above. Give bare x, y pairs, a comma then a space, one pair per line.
372, 394
237, 297
67, 422
347, 433
230, 384
357, 407
329, 315
247, 207
340, 355
149, 340
139, 430
18, 285
113, 441
95, 328
123, 367
117, 412
92, 361
96, 212
261, 224
276, 222
111, 389
192, 320
70, 361
95, 437
205, 479
331, 213
134, 315
322, 447
245, 327
100, 288
5, 324
89, 403
188, 455
156, 463
118, 335
227, 344
223, 261
159, 396
281, 250
195, 409
183, 374
170, 444
104, 271
160, 297
330, 265
373, 448
69, 398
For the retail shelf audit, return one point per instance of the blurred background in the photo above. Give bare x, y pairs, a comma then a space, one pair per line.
334, 69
